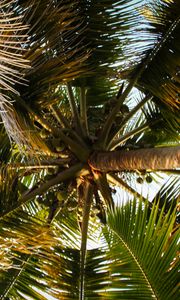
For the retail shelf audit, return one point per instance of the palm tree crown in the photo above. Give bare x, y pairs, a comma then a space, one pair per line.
89, 107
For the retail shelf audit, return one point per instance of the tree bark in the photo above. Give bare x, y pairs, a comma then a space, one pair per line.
141, 159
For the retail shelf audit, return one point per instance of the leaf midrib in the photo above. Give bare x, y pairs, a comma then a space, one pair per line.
138, 264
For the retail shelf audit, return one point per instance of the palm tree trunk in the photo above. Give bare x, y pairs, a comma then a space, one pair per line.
141, 159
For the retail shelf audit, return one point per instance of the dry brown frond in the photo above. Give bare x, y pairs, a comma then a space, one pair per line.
13, 38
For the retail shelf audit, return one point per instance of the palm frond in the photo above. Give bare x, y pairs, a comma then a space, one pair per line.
5, 146
150, 110
144, 251
109, 29
168, 193
160, 128
122, 269
12, 66
98, 275
13, 37
43, 258
165, 131
40, 257
54, 46
16, 181
119, 182
161, 76
9, 191
22, 133
44, 274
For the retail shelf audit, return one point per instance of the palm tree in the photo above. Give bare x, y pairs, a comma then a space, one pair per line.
88, 107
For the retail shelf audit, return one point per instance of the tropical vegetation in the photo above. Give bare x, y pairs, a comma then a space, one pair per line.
89, 105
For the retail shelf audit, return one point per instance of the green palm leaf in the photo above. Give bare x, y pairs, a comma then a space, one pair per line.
44, 274
144, 252
168, 194
161, 75
40, 259
140, 250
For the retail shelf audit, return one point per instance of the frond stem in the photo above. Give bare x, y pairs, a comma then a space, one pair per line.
103, 186
74, 110
125, 137
64, 123
130, 115
64, 175
86, 211
83, 108
132, 83
35, 191
138, 265
14, 278
111, 118
114, 179
74, 146
59, 117
52, 163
